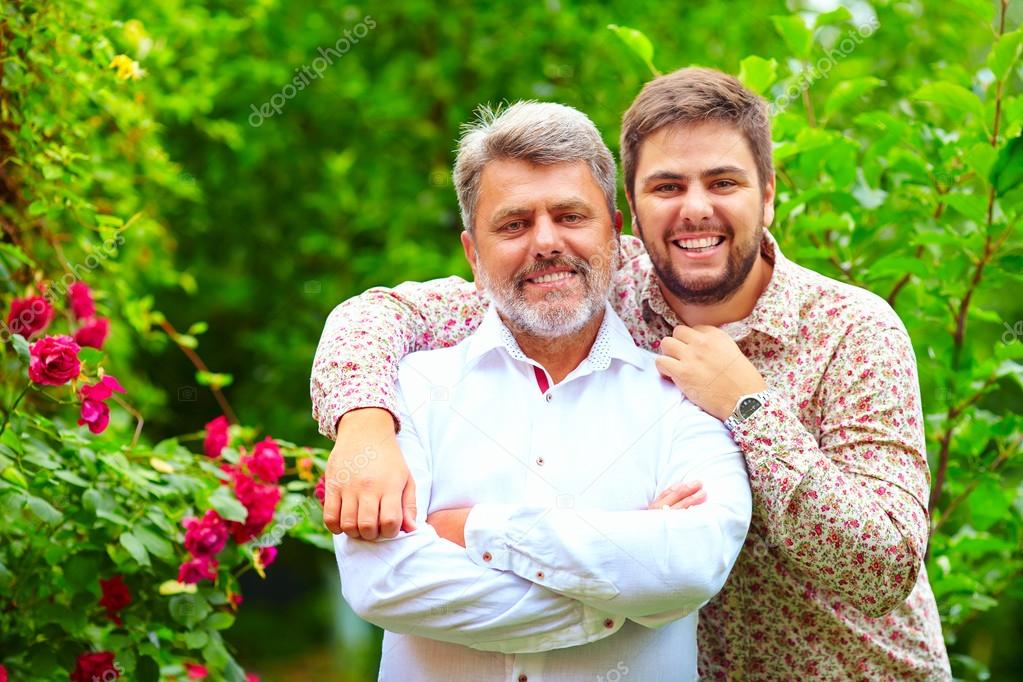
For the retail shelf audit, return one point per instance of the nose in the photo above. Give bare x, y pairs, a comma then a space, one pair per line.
548, 239
696, 205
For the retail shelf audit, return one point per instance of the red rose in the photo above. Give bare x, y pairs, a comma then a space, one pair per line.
3, 674
102, 389
199, 568
196, 671
265, 462
116, 596
321, 490
98, 666
96, 414
81, 300
29, 315
251, 677
93, 333
54, 360
260, 501
205, 537
216, 436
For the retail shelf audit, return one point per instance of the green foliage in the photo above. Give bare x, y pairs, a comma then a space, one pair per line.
134, 155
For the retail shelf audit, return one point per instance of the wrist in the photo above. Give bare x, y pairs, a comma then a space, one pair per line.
368, 418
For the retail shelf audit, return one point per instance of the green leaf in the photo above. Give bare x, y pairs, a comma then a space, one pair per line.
638, 43
135, 547
973, 206
15, 477
757, 73
227, 505
198, 328
189, 609
221, 620
951, 98
1004, 54
15, 254
196, 639
147, 670
835, 17
90, 355
157, 545
44, 510
849, 91
82, 571
1007, 172
21, 346
989, 503
794, 32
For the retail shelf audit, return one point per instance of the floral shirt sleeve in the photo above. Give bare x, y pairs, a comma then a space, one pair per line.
849, 505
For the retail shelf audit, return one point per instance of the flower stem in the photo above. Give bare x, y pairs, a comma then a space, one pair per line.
9, 412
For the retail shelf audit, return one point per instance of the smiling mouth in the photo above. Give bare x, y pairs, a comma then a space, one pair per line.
551, 277
699, 244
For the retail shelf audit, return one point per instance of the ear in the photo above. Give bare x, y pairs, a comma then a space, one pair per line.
769, 201
618, 223
471, 255
632, 214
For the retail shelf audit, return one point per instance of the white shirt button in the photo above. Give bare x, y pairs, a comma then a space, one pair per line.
548, 397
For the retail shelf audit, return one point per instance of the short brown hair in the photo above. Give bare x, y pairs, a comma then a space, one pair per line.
690, 96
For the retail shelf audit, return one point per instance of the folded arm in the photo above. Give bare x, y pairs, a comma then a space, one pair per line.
650, 566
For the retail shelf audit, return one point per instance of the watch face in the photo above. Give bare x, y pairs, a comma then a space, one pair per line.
748, 406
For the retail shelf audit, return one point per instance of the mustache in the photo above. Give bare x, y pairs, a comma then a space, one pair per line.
580, 265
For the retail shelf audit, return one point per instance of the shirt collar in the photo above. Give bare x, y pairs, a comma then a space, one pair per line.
776, 312
613, 342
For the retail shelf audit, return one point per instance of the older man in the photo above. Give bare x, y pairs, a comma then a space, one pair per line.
816, 380
534, 475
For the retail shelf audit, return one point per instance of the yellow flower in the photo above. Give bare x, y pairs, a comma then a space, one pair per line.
127, 67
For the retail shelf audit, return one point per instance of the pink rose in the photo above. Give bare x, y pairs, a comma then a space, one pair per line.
321, 490
216, 436
260, 501
54, 360
102, 389
251, 677
205, 537
196, 671
3, 674
198, 568
96, 414
94, 666
29, 315
93, 333
81, 300
266, 556
265, 462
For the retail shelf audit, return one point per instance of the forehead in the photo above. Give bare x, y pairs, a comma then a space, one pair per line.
694, 147
513, 183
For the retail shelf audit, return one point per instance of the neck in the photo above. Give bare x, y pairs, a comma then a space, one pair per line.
562, 354
737, 307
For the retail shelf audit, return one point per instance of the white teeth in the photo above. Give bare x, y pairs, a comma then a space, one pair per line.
697, 243
553, 277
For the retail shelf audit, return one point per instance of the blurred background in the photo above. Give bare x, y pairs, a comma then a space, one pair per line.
258, 205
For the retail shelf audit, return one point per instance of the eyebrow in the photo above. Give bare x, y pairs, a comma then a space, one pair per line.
709, 173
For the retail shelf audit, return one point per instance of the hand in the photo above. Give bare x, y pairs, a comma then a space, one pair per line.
680, 496
709, 368
369, 491
450, 524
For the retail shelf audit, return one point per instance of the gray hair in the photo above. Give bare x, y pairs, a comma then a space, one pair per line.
538, 132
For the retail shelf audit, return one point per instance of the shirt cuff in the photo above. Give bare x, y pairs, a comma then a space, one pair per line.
768, 433
488, 530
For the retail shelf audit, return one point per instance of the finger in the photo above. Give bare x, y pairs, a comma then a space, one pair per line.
672, 347
676, 493
332, 508
685, 334
669, 367
369, 517
691, 501
350, 514
408, 505
390, 516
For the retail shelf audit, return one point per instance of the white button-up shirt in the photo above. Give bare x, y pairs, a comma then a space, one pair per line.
566, 575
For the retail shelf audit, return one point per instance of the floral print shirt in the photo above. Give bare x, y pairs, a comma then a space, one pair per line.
831, 582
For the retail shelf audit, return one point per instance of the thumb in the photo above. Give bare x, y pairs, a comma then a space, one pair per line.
408, 505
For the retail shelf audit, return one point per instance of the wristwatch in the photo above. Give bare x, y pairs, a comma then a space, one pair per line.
745, 407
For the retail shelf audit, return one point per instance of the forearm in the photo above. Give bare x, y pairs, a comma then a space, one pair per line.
869, 532
631, 563
421, 585
365, 337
